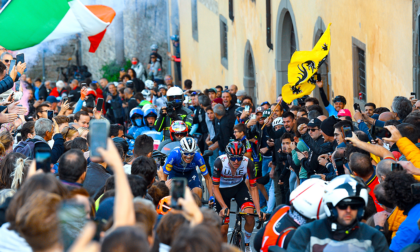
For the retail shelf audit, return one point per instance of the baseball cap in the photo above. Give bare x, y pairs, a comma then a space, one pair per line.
314, 123
218, 101
259, 110
266, 113
212, 90
344, 112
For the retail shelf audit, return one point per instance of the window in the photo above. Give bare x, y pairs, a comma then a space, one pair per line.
224, 41
359, 72
268, 21
194, 19
231, 17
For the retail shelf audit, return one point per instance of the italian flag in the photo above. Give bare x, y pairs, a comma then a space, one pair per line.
26, 23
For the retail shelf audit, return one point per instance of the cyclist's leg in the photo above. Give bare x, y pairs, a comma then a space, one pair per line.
194, 183
227, 195
244, 200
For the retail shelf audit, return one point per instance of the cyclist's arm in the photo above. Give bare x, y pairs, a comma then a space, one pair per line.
217, 172
205, 172
167, 168
253, 185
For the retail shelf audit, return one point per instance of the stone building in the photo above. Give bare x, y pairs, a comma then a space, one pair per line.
374, 45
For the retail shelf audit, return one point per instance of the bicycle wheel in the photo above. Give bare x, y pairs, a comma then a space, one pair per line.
238, 240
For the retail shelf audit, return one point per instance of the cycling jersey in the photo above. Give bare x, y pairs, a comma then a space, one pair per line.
223, 172
174, 163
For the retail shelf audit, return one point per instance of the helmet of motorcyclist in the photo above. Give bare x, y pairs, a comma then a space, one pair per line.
342, 191
149, 84
178, 130
307, 199
136, 117
164, 205
175, 97
235, 152
150, 112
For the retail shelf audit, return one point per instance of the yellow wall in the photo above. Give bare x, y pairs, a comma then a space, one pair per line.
384, 26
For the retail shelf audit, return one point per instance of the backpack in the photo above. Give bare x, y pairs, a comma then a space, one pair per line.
27, 147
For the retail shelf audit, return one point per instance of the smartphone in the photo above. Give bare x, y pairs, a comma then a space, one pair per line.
65, 98
347, 131
247, 108
413, 95
83, 85
99, 131
70, 98
43, 159
72, 219
20, 58
356, 107
178, 186
383, 133
50, 114
318, 77
339, 164
415, 188
99, 104
12, 64
396, 167
122, 69
253, 116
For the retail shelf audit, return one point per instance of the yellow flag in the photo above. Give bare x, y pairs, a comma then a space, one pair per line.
302, 67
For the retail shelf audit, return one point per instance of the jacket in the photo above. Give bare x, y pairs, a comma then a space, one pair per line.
317, 234
57, 149
408, 232
12, 241
140, 72
224, 131
75, 93
44, 92
394, 220
410, 151
6, 84
200, 119
163, 122
96, 176
317, 147
114, 107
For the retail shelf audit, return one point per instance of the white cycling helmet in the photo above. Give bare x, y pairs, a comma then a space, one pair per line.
307, 199
188, 145
175, 91
149, 84
278, 121
146, 93
346, 188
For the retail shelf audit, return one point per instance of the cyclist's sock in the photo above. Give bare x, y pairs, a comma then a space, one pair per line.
247, 236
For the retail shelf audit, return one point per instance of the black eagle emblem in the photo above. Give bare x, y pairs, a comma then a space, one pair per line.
325, 47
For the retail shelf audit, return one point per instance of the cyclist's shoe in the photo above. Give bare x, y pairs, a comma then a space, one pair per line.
247, 248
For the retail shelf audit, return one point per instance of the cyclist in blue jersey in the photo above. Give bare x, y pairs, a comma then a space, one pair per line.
182, 162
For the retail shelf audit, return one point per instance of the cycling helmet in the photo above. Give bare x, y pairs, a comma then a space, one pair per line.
238, 111
345, 188
309, 203
175, 97
175, 38
340, 98
149, 84
163, 86
188, 145
278, 121
154, 47
235, 149
164, 205
146, 93
178, 127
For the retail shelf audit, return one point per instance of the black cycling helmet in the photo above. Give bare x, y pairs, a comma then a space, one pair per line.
235, 149
340, 98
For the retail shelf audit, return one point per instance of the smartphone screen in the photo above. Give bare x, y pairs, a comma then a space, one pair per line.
347, 131
253, 116
98, 130
247, 108
99, 104
413, 95
339, 165
318, 77
177, 191
72, 219
20, 58
50, 114
43, 159
396, 167
12, 64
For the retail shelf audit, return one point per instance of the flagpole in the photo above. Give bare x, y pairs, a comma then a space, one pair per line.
272, 113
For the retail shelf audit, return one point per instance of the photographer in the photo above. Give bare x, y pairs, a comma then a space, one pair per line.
173, 111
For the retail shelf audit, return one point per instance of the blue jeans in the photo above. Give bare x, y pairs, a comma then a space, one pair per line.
212, 159
292, 181
265, 169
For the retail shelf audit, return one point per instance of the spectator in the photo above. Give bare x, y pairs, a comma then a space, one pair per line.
155, 69
46, 130
114, 106
81, 119
72, 168
223, 128
233, 89
69, 133
145, 167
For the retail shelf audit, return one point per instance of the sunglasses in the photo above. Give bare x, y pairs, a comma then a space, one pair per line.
68, 129
188, 154
2, 49
344, 206
180, 134
153, 57
7, 61
313, 130
236, 159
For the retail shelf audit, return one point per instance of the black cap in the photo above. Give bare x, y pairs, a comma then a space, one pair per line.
315, 123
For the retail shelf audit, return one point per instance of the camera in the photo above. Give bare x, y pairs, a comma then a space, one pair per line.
170, 109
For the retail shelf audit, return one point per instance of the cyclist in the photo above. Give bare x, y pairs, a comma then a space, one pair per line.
306, 206
182, 162
177, 131
228, 182
345, 200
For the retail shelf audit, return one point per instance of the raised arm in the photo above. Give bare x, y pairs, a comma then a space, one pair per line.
371, 148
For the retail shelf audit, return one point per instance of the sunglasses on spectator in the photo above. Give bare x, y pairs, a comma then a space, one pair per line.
7, 61
353, 206
168, 79
313, 130
2, 49
235, 159
68, 129
153, 57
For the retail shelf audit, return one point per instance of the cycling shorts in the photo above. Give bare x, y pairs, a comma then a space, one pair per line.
192, 178
241, 195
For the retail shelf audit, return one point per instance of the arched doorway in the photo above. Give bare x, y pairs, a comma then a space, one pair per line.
286, 41
325, 68
249, 73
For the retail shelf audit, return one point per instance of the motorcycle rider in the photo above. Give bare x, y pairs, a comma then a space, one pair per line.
172, 112
149, 119
306, 206
345, 200
177, 131
136, 117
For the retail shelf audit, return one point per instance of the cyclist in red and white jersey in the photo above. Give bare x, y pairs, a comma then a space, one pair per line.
229, 175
